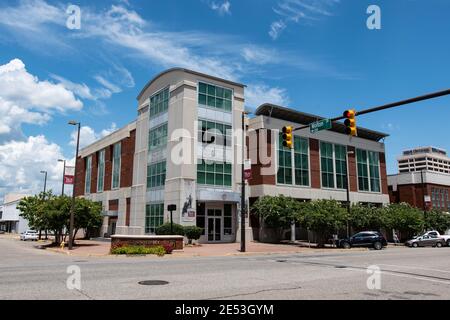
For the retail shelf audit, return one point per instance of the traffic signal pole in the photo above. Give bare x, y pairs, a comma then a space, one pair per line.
390, 105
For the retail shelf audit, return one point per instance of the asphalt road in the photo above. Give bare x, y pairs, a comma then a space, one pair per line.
405, 273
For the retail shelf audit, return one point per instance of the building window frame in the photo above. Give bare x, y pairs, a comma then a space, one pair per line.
297, 180
156, 175
101, 171
204, 96
366, 166
88, 175
116, 165
220, 172
161, 106
160, 134
154, 216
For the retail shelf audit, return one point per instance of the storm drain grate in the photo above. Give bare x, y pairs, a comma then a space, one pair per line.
153, 282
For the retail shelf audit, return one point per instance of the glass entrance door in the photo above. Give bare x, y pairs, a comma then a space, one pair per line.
214, 225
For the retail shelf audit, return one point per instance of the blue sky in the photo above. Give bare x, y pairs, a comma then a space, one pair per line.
316, 56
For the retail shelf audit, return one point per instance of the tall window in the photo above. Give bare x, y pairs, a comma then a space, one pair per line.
284, 174
116, 165
326, 164
368, 163
374, 171
157, 137
333, 165
214, 132
87, 185
293, 165
215, 97
301, 162
159, 102
101, 171
154, 217
340, 160
214, 173
156, 175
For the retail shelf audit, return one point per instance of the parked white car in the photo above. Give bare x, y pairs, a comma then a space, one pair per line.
446, 237
29, 235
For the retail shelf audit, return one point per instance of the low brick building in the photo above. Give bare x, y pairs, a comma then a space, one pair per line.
423, 180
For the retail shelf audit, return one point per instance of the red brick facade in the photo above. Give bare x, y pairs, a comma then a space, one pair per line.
414, 195
257, 177
314, 162
126, 167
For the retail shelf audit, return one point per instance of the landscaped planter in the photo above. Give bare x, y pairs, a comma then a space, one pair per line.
117, 241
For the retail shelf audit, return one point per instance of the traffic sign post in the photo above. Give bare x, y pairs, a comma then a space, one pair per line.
320, 125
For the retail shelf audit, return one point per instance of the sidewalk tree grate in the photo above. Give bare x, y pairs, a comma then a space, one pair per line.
153, 282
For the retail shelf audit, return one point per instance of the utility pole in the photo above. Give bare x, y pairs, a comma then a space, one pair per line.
64, 174
349, 205
243, 208
72, 208
45, 182
424, 207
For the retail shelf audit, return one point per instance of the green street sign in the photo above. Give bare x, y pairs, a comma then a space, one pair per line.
320, 125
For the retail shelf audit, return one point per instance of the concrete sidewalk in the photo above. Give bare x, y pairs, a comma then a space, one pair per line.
101, 248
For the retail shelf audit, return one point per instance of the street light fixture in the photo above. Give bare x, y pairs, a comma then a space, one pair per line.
64, 173
72, 208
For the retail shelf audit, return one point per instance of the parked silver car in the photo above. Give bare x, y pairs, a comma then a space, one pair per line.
426, 241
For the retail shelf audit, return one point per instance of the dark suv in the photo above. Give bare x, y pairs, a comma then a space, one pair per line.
368, 239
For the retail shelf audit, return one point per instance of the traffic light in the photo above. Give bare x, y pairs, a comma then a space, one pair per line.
287, 137
350, 122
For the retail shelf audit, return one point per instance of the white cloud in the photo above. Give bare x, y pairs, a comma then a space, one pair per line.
257, 94
26, 99
108, 85
258, 55
297, 11
81, 90
22, 161
89, 136
221, 8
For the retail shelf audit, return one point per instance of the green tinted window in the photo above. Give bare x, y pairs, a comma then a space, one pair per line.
154, 217
214, 173
156, 175
159, 102
215, 97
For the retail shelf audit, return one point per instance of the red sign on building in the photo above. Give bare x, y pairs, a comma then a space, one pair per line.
68, 179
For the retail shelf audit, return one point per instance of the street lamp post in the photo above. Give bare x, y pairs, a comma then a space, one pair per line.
72, 208
45, 182
64, 173
243, 208
349, 208
424, 207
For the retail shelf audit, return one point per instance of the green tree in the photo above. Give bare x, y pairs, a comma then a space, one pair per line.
87, 215
437, 220
366, 218
404, 218
325, 217
53, 213
278, 211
